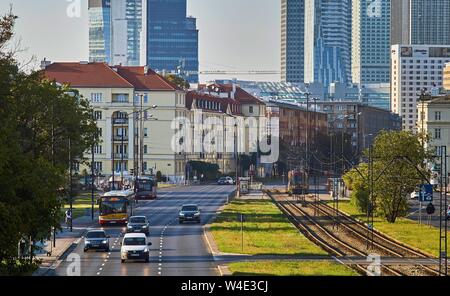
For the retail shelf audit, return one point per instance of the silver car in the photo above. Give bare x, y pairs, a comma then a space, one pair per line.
96, 239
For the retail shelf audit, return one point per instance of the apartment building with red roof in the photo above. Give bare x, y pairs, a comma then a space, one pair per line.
116, 93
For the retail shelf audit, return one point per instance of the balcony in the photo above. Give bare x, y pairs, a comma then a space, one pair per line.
117, 138
120, 121
118, 156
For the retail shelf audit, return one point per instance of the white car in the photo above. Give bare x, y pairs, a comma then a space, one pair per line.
135, 247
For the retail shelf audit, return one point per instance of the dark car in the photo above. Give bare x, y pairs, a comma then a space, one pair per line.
96, 239
138, 224
189, 213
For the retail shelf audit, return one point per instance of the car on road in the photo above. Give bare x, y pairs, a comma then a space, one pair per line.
189, 212
138, 224
225, 181
96, 239
134, 246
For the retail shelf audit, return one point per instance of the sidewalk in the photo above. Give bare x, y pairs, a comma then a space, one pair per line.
65, 240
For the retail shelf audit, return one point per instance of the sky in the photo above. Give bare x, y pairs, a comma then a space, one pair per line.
234, 35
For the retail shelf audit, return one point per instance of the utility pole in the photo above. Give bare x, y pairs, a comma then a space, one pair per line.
141, 145
92, 176
443, 225
70, 185
113, 186
122, 150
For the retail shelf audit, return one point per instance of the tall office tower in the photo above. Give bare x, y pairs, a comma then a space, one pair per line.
371, 41
292, 40
116, 31
172, 39
415, 68
420, 22
328, 27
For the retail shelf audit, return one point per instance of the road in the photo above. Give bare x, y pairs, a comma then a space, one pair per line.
414, 210
177, 250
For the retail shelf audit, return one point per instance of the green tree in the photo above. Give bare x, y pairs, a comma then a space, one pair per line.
398, 167
38, 120
399, 163
177, 80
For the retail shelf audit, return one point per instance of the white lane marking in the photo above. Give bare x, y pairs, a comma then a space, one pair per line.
101, 268
98, 273
103, 264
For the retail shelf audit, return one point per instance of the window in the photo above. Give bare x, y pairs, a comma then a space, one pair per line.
145, 149
437, 133
98, 115
99, 132
145, 166
98, 166
250, 109
437, 115
145, 132
96, 97
98, 149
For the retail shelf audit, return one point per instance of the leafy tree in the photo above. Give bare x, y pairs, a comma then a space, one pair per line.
38, 120
398, 167
399, 162
177, 80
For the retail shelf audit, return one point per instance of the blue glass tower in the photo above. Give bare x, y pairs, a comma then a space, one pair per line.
99, 31
328, 41
172, 39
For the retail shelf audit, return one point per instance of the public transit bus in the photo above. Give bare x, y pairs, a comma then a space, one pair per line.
145, 188
115, 207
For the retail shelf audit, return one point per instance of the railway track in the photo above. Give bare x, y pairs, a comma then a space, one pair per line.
351, 239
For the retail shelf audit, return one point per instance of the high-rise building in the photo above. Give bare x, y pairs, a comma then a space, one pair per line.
328, 41
172, 39
420, 22
415, 68
292, 40
371, 41
116, 31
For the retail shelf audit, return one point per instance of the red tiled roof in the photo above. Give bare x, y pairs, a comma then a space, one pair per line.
145, 81
191, 95
241, 95
85, 75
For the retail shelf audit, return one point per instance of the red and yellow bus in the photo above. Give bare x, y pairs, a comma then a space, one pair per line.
115, 207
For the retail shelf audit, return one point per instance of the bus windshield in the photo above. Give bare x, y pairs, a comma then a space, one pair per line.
113, 207
145, 185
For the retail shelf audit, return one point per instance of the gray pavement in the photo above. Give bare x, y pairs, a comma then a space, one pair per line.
177, 250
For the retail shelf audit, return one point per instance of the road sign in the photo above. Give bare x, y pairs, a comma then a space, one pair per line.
241, 217
426, 193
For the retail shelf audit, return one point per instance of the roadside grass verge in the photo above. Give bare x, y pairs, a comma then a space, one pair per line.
82, 204
291, 268
266, 231
405, 230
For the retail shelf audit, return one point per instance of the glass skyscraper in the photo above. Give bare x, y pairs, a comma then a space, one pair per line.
371, 41
172, 39
421, 22
292, 40
328, 26
116, 31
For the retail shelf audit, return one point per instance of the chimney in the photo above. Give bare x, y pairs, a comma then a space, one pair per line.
233, 92
45, 64
145, 70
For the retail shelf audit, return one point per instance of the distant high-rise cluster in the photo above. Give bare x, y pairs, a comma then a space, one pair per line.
420, 22
155, 33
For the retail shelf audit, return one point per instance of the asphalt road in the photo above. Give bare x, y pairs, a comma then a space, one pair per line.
426, 219
177, 250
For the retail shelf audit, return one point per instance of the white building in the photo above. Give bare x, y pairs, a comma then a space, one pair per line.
415, 68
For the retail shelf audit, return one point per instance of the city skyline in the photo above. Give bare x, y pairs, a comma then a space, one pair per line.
247, 28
